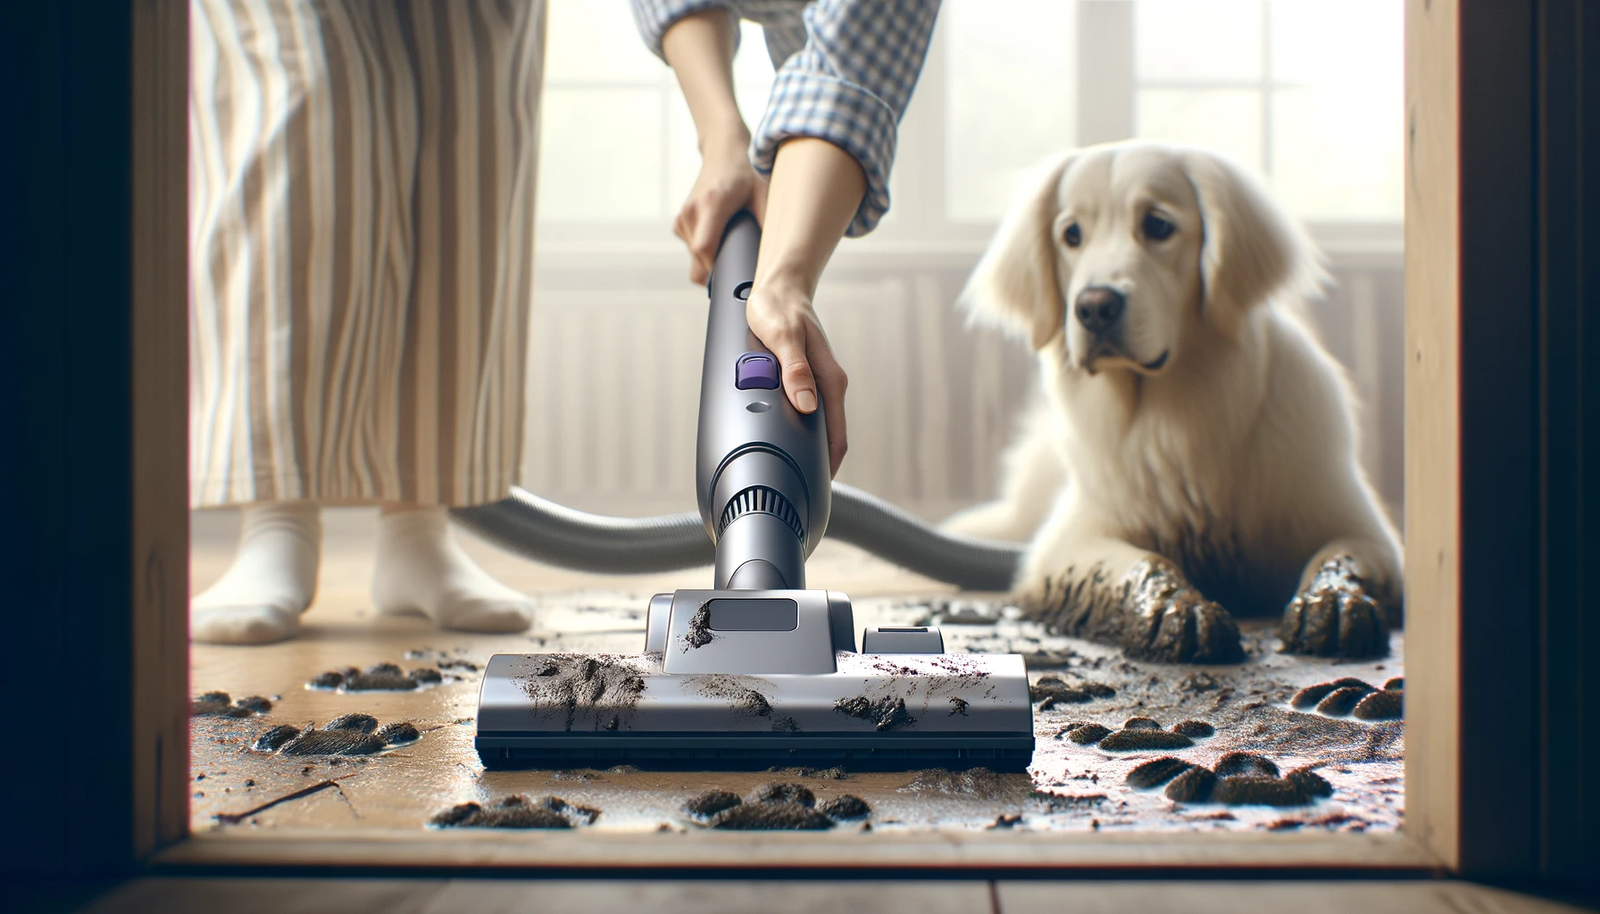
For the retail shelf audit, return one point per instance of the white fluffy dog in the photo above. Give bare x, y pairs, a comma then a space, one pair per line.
1194, 442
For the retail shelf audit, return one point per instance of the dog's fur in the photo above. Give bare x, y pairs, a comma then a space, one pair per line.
1208, 446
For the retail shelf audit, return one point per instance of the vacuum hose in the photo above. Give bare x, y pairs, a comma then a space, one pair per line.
539, 529
761, 473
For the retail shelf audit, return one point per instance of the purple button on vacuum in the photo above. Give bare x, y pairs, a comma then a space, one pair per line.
756, 370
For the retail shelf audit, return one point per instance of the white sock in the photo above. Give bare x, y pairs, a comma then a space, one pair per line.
271, 582
421, 568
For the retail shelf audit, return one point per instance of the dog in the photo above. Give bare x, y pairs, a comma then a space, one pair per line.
1194, 446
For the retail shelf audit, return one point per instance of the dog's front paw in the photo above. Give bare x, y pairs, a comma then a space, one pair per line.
1335, 616
1169, 621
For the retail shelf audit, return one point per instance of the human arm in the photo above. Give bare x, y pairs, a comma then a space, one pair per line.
699, 46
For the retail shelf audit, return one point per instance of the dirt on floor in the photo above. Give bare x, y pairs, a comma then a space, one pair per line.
1240, 747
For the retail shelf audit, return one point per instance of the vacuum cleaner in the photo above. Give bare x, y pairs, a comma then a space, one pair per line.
756, 670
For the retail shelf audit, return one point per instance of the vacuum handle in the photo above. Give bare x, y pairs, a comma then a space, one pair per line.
752, 442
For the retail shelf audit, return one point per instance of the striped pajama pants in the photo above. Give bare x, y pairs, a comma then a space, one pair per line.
361, 203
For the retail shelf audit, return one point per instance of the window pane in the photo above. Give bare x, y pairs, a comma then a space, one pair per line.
1227, 121
1185, 40
1011, 97
1339, 128
596, 43
600, 155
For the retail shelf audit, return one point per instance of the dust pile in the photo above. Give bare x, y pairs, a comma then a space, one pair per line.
590, 691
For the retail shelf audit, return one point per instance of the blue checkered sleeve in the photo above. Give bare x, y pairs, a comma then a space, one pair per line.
850, 85
845, 73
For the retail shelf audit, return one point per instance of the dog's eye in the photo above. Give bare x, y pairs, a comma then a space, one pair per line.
1073, 235
1157, 228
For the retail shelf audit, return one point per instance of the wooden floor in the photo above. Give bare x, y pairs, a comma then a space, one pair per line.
476, 896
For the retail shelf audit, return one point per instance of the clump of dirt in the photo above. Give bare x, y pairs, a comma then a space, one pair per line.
771, 816
699, 634
221, 704
1309, 781
886, 713
1255, 790
1192, 786
515, 812
273, 739
958, 706
361, 723
844, 807
1235, 764
1140, 723
1388, 704
712, 802
380, 677
1157, 772
1336, 615
1350, 697
600, 690
351, 734
779, 792
1088, 734
1052, 691
1137, 738
399, 733
742, 693
1194, 729
457, 663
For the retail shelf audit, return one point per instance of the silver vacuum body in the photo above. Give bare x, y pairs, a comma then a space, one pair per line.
757, 670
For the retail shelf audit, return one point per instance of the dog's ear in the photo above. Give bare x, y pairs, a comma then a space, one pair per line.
1251, 248
1015, 286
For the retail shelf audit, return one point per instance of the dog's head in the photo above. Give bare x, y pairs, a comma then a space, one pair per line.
1125, 251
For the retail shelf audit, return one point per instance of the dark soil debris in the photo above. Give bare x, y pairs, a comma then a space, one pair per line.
1135, 739
221, 704
1340, 702
1156, 772
1260, 791
273, 739
380, 677
699, 634
886, 713
771, 816
1388, 704
1192, 786
781, 792
1140, 723
1088, 734
510, 812
844, 807
360, 723
1309, 696
1194, 729
712, 802
592, 691
1233, 764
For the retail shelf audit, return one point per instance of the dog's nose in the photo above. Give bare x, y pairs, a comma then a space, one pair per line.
1099, 308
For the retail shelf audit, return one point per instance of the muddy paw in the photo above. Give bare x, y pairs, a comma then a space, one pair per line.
1171, 622
1335, 616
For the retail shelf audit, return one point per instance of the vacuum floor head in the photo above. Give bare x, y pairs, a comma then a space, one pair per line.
753, 679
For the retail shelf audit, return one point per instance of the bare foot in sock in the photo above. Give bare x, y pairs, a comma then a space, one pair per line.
271, 582
421, 569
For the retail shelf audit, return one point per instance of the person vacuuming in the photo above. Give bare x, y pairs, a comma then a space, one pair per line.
845, 72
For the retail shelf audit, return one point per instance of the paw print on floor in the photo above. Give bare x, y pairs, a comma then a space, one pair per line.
1351, 697
516, 811
1137, 734
1238, 779
1053, 691
221, 704
381, 677
773, 806
349, 734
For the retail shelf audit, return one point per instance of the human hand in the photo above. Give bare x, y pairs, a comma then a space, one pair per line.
782, 318
726, 184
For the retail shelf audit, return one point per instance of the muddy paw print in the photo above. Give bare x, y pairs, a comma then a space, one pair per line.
516, 812
380, 677
350, 734
1138, 733
1237, 779
775, 806
1350, 697
1053, 691
1171, 622
1335, 616
221, 704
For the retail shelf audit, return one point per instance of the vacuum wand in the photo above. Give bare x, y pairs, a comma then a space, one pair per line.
761, 467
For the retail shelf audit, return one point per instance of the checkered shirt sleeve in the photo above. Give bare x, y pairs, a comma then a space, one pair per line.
848, 83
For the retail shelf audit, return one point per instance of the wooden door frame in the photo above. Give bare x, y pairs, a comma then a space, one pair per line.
1494, 498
